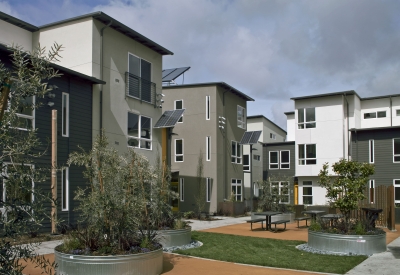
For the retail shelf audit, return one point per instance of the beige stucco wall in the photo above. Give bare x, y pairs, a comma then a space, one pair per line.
13, 35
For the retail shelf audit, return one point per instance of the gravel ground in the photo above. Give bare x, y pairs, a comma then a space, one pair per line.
193, 244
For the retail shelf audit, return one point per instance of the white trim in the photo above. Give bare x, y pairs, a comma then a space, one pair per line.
308, 185
395, 155
208, 148
274, 163
305, 122
305, 159
371, 152
376, 114
181, 118
179, 155
235, 183
396, 184
182, 189
208, 189
139, 138
281, 162
32, 117
208, 107
371, 185
66, 134
241, 123
246, 167
66, 171
237, 157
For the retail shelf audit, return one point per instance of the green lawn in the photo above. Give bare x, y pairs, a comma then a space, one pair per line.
267, 252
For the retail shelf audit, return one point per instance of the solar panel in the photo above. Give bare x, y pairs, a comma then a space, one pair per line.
169, 118
250, 137
171, 74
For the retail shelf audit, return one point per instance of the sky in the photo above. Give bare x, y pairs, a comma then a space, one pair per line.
269, 50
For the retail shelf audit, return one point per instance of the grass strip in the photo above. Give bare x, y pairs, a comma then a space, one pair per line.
267, 252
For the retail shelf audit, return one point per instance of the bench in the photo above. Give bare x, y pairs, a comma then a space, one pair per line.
279, 222
302, 219
261, 220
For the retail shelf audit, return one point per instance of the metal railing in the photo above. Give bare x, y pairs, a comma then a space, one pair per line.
140, 88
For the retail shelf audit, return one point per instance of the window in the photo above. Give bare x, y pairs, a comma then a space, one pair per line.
285, 159
306, 118
237, 189
182, 189
371, 191
178, 150
208, 107
236, 152
246, 163
139, 79
307, 192
241, 117
179, 106
398, 112
208, 189
65, 114
273, 160
396, 150
396, 191
139, 131
371, 151
307, 154
257, 157
65, 189
378, 114
272, 136
26, 114
208, 146
281, 189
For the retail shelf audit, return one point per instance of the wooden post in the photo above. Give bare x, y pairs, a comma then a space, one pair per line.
53, 170
391, 210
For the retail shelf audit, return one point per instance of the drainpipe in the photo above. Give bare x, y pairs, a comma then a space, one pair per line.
224, 138
101, 74
391, 115
348, 125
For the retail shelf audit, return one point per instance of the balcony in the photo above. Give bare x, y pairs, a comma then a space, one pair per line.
140, 88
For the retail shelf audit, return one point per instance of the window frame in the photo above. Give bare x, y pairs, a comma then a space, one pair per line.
274, 163
236, 158
208, 189
272, 136
308, 184
305, 159
208, 148
65, 200
396, 184
394, 153
306, 124
32, 117
371, 152
256, 157
284, 163
65, 115
181, 118
279, 188
397, 112
139, 138
241, 120
235, 183
208, 102
376, 114
371, 191
176, 154
140, 76
246, 164
182, 189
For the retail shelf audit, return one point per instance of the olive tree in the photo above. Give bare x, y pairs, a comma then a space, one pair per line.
346, 187
21, 199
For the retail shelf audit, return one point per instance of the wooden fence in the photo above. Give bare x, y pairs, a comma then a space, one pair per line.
382, 197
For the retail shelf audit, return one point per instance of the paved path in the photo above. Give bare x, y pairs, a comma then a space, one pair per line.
386, 263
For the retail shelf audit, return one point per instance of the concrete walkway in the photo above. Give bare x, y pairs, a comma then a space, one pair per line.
386, 263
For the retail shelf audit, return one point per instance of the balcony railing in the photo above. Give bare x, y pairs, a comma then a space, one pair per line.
140, 88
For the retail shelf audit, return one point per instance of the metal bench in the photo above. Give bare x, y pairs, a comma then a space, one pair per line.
280, 222
302, 219
261, 220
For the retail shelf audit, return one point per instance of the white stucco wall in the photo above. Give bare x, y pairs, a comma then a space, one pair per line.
395, 107
290, 127
11, 34
375, 105
318, 192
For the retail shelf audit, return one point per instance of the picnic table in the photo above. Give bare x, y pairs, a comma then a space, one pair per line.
331, 217
313, 213
267, 215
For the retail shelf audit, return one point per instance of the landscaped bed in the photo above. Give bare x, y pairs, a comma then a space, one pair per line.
267, 252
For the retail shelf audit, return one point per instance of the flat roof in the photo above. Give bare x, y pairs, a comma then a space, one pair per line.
262, 116
289, 113
265, 144
350, 92
378, 97
17, 22
118, 26
94, 80
222, 84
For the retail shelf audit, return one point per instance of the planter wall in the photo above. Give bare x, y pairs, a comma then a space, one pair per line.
133, 264
231, 208
283, 216
176, 237
358, 244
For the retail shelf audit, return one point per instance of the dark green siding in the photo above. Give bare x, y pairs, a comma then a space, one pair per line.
279, 146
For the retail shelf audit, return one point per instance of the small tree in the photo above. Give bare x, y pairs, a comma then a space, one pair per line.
275, 192
200, 197
24, 206
346, 188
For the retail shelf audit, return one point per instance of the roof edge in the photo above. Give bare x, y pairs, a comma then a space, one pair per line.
17, 22
349, 92
262, 116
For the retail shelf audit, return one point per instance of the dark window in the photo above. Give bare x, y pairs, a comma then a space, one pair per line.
246, 163
273, 160
285, 162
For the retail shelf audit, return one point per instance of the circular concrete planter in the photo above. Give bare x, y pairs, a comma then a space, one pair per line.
357, 244
133, 264
178, 237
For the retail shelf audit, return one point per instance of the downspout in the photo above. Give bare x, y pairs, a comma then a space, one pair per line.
391, 115
101, 75
224, 138
348, 125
